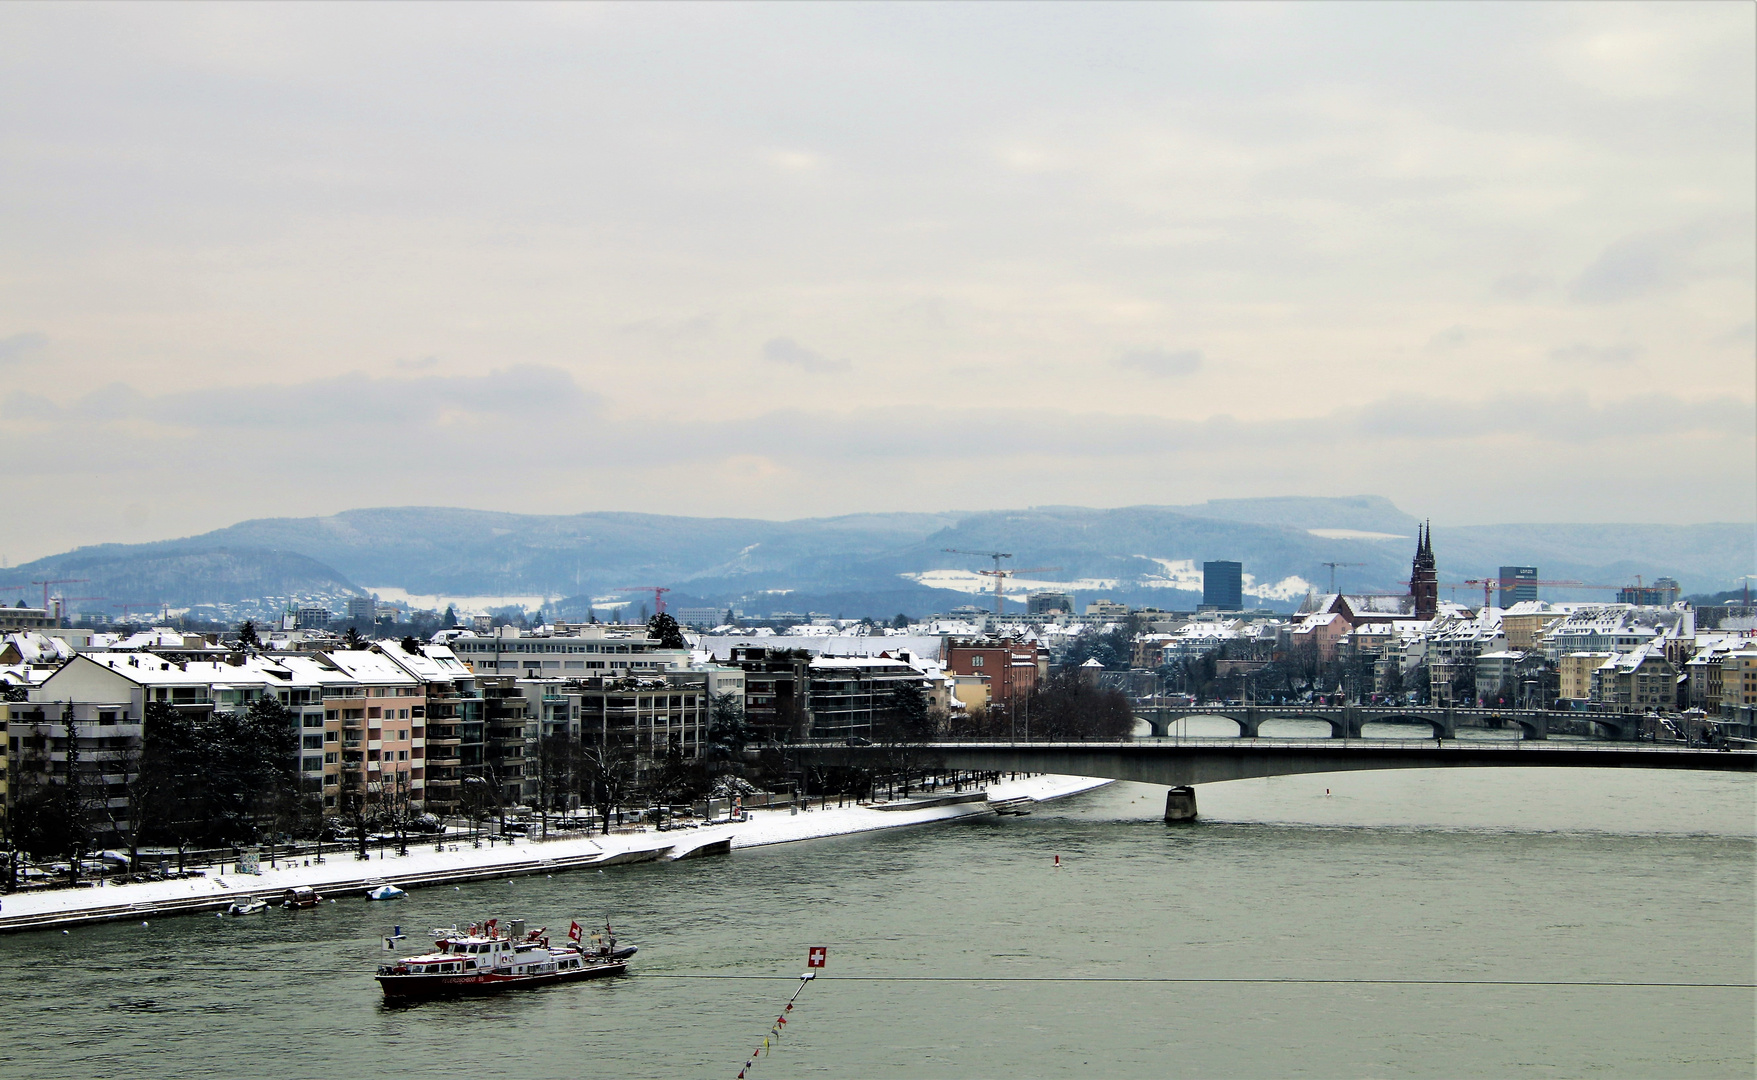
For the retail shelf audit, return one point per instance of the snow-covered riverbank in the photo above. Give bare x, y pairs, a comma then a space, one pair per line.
427, 865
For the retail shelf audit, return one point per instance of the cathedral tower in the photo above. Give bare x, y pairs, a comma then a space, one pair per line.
1424, 578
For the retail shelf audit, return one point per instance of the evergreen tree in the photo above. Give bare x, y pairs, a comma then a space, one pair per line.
450, 621
247, 635
665, 629
353, 640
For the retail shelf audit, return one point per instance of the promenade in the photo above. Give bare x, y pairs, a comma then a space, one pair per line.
426, 865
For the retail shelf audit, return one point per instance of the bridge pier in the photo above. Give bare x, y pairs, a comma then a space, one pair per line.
1180, 805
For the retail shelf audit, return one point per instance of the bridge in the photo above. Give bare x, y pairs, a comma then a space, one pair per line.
1346, 721
1183, 763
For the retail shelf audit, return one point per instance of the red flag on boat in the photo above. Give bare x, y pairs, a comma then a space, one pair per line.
574, 931
488, 930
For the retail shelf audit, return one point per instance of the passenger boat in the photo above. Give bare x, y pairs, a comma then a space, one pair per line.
300, 896
487, 959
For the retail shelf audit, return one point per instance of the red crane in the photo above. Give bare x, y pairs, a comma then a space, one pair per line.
658, 592
58, 581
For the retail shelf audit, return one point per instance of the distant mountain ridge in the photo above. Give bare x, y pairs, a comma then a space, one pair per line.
874, 563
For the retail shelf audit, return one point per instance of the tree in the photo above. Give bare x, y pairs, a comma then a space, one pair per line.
247, 635
1065, 706
606, 773
450, 619
353, 640
411, 646
901, 622
728, 730
663, 628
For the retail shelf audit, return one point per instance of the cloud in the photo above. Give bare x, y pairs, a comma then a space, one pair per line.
1606, 355
1162, 363
20, 346
1648, 263
356, 410
784, 350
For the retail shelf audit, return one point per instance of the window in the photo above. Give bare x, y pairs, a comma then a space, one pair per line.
373, 713
329, 736
314, 742
976, 661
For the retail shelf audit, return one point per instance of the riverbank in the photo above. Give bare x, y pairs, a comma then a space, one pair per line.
428, 865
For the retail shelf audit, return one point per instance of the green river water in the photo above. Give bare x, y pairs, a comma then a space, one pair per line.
1454, 908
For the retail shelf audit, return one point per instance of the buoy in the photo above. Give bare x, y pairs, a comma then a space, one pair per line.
1058, 860
64, 932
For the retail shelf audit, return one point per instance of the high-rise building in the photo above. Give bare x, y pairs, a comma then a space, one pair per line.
1424, 575
362, 609
1518, 583
1223, 586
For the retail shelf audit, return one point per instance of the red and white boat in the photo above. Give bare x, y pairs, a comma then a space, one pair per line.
490, 958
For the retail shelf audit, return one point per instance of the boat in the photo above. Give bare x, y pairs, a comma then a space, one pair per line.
246, 905
300, 896
488, 959
386, 892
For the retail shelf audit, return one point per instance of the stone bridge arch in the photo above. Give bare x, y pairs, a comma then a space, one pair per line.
1439, 724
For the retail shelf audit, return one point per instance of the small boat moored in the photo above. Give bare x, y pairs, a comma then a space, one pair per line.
300, 896
246, 905
488, 958
386, 892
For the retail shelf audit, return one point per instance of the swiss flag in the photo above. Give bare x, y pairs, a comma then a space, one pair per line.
816, 957
573, 931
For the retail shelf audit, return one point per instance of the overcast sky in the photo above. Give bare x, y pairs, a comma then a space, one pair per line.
1492, 261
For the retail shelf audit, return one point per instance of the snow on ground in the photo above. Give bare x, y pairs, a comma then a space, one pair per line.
524, 856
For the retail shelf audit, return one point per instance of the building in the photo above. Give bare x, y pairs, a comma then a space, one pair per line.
23, 618
1223, 586
862, 695
1424, 575
1738, 680
566, 650
1664, 591
702, 618
384, 734
1574, 672
776, 685
1048, 603
1518, 584
1106, 610
1011, 668
315, 617
1525, 622
362, 610
1643, 680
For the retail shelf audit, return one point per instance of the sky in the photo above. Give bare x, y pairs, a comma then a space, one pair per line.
1492, 261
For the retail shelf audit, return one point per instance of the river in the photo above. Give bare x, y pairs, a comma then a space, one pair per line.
1446, 923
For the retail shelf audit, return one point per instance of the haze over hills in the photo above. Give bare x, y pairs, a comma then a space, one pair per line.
873, 563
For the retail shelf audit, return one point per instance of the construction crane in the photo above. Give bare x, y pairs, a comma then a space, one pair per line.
658, 592
58, 581
1333, 566
1489, 585
1000, 576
